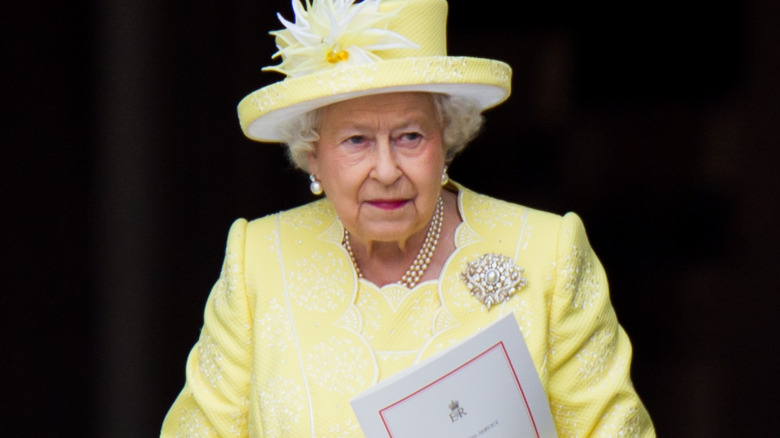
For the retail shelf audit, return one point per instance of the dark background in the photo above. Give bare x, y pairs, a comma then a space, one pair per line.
124, 166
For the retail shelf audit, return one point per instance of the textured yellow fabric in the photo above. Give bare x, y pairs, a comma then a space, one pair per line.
290, 334
397, 322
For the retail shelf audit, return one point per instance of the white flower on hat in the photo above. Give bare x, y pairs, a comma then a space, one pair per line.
330, 33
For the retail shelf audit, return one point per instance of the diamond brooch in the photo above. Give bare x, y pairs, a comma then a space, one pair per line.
493, 278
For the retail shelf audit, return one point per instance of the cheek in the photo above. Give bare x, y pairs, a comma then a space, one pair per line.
433, 163
342, 181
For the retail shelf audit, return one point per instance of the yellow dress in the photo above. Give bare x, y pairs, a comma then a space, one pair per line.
291, 334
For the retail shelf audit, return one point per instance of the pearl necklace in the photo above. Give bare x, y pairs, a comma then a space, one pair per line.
420, 264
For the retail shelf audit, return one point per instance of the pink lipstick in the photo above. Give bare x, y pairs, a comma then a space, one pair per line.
388, 204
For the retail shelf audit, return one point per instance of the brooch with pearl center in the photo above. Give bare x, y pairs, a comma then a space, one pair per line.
493, 278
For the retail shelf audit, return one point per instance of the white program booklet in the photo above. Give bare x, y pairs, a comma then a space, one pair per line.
484, 387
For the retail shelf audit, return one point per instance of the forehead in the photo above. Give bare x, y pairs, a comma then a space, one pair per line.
389, 107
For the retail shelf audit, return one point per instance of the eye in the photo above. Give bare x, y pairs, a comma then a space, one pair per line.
411, 138
355, 140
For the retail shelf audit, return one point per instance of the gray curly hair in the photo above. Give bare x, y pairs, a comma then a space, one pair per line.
460, 117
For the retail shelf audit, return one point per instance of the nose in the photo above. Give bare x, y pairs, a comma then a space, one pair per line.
386, 167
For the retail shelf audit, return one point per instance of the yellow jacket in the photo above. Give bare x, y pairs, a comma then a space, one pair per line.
283, 350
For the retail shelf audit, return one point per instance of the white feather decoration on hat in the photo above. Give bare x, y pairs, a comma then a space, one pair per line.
330, 33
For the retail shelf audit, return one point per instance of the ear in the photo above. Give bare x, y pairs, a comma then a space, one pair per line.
313, 162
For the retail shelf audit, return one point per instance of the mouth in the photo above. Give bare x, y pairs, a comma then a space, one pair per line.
388, 204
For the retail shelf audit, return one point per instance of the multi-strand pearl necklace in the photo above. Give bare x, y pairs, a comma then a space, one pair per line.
424, 256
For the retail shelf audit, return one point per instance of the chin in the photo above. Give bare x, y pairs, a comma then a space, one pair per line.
388, 233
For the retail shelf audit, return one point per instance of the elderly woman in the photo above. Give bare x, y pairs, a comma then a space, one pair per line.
317, 304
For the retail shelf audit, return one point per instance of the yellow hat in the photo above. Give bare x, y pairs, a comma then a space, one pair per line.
337, 50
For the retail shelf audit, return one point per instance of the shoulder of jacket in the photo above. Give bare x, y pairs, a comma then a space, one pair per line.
479, 204
315, 214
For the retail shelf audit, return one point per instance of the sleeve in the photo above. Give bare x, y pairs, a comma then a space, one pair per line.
590, 389
215, 398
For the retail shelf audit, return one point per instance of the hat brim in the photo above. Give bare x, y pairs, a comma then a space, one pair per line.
486, 82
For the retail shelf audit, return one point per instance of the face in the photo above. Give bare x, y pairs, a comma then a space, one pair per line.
379, 159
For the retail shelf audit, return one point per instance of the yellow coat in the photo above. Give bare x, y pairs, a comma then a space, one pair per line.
284, 345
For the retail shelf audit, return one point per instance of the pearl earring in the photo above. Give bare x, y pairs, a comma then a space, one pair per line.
444, 177
315, 186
